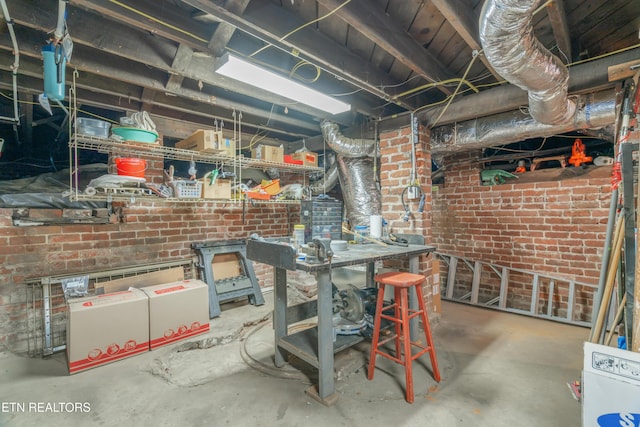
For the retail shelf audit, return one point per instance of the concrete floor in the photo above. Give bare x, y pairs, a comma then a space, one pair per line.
497, 369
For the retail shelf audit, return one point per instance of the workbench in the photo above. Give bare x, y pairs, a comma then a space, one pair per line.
316, 346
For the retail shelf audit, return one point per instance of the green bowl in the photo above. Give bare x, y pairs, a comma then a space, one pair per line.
134, 134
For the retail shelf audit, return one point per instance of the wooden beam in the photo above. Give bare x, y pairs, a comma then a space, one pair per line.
94, 77
179, 129
224, 30
27, 123
123, 42
461, 17
117, 68
180, 63
173, 113
380, 28
623, 71
560, 27
168, 21
270, 23
147, 98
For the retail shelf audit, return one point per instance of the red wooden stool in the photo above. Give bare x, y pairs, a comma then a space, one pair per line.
401, 283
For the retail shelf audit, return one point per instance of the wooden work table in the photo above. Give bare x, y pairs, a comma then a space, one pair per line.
316, 346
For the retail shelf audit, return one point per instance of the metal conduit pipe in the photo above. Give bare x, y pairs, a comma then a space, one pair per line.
593, 111
16, 63
59, 31
355, 160
509, 43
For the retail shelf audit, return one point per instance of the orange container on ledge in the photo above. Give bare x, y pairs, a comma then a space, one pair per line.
129, 166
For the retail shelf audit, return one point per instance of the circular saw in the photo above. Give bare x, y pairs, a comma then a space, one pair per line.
348, 311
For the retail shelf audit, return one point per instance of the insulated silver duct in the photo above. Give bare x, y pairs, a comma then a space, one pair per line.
360, 193
593, 111
508, 41
329, 180
355, 160
348, 147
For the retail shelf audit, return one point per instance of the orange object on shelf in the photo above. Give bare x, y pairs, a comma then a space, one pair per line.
578, 156
257, 195
290, 160
271, 187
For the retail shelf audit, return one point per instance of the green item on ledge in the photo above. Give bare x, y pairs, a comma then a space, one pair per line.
495, 176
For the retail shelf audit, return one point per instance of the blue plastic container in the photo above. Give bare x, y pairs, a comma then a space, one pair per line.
54, 65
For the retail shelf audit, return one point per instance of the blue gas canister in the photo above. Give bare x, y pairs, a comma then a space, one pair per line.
54, 65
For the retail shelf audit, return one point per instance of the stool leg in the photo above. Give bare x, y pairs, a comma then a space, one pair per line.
376, 332
427, 332
397, 314
406, 336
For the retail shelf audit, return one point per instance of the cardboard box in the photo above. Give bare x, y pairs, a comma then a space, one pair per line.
435, 293
104, 328
221, 189
141, 280
610, 387
269, 153
177, 311
228, 147
208, 140
225, 266
308, 158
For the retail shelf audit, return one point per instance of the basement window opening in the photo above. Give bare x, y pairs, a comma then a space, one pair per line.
547, 159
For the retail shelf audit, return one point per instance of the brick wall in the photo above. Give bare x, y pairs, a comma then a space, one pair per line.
151, 233
395, 167
553, 227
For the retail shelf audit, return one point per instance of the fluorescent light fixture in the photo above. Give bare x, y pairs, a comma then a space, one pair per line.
246, 72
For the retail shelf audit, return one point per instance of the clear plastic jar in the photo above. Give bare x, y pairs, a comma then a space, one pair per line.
361, 231
298, 236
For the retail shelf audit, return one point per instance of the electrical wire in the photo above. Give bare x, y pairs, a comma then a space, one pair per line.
455, 92
88, 113
260, 132
259, 366
405, 206
547, 3
158, 21
318, 19
301, 64
438, 83
604, 55
512, 150
295, 53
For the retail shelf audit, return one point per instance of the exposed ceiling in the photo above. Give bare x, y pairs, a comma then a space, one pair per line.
385, 57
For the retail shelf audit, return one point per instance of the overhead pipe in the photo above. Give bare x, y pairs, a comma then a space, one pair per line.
591, 76
509, 43
593, 111
59, 31
329, 180
16, 63
355, 160
348, 147
55, 56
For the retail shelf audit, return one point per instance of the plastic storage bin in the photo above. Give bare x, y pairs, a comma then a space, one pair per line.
93, 127
188, 189
322, 218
